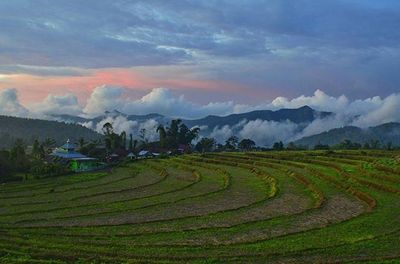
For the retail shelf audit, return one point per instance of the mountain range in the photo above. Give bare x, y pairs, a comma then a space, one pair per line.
300, 115
69, 126
385, 133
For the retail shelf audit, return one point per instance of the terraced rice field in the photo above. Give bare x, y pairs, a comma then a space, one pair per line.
261, 207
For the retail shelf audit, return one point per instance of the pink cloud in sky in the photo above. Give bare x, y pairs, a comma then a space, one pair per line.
33, 88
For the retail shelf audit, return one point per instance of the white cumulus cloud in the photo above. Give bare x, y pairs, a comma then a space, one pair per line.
58, 104
360, 112
158, 100
10, 105
221, 134
265, 133
104, 98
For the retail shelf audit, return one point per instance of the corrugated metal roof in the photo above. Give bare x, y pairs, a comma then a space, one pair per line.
68, 146
68, 155
143, 152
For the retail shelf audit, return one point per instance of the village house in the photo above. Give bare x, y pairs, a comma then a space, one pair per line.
76, 161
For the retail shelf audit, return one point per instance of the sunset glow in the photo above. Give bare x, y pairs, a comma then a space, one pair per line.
207, 52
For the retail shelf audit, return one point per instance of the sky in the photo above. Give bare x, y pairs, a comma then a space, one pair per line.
194, 57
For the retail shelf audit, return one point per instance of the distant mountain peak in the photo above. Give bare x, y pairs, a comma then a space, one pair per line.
114, 113
305, 107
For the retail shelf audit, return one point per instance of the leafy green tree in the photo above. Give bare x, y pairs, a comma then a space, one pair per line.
6, 166
18, 156
321, 146
163, 136
176, 134
205, 145
108, 129
188, 135
231, 143
41, 170
112, 140
278, 146
293, 146
375, 144
36, 153
81, 142
348, 144
123, 140
48, 144
182, 134
143, 135
389, 146
173, 133
246, 144
130, 142
18, 150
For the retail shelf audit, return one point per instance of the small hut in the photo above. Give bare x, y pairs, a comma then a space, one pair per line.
131, 156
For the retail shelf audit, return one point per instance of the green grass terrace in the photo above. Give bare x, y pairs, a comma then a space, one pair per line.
255, 207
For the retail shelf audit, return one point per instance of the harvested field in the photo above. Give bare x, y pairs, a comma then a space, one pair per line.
255, 207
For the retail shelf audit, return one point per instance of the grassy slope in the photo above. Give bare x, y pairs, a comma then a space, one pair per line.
234, 207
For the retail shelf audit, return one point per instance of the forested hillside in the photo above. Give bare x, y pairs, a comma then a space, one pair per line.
300, 115
12, 128
384, 134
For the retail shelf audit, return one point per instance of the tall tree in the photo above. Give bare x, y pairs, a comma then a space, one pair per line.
206, 145
48, 144
173, 133
246, 144
81, 142
130, 142
143, 135
177, 134
123, 139
231, 143
109, 139
291, 146
18, 156
107, 129
375, 144
191, 135
36, 149
163, 136
18, 150
278, 145
6, 168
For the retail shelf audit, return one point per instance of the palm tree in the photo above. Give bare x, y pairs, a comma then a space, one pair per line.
108, 129
81, 142
123, 139
143, 135
48, 144
134, 145
130, 142
163, 135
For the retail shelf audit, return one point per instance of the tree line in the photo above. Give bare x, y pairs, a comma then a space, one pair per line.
16, 164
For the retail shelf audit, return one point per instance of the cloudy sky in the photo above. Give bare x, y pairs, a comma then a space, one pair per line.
73, 55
